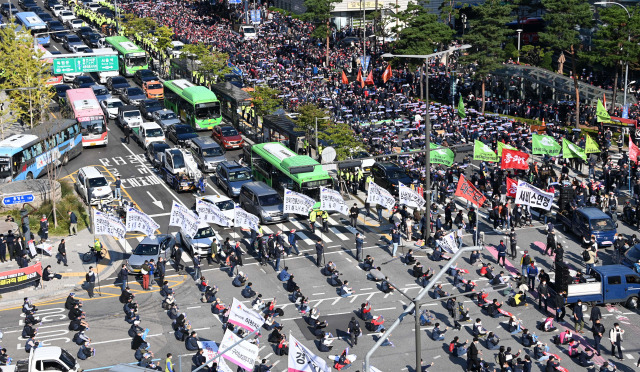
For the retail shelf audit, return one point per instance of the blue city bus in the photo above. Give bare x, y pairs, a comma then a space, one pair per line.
26, 155
35, 25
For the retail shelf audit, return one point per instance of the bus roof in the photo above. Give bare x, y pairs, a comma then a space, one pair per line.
30, 19
123, 45
285, 159
191, 92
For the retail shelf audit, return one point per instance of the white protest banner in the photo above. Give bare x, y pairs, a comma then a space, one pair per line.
185, 218
297, 203
104, 224
245, 219
302, 359
139, 221
409, 197
210, 213
331, 200
243, 354
530, 195
210, 349
449, 243
378, 195
244, 317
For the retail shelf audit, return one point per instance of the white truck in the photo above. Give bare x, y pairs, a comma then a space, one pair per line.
147, 133
49, 358
180, 170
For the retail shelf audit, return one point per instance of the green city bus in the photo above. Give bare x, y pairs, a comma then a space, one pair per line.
272, 162
130, 56
195, 105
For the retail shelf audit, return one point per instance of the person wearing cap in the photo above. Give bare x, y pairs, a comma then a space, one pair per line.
44, 228
293, 243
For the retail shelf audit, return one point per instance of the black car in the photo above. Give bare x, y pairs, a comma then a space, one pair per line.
34, 9
153, 152
388, 175
106, 12
117, 84
180, 133
27, 4
50, 3
56, 28
8, 9
93, 40
141, 76
83, 31
44, 16
61, 93
83, 81
149, 106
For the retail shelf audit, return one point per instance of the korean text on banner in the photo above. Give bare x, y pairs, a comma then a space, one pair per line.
530, 195
13, 280
512, 187
378, 195
210, 213
513, 159
409, 197
302, 359
245, 219
210, 349
468, 192
140, 221
244, 317
184, 218
243, 354
331, 200
104, 224
297, 203
449, 243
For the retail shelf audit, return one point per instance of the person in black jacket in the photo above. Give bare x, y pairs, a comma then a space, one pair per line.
90, 279
71, 301
62, 253
199, 359
473, 362
137, 341
191, 343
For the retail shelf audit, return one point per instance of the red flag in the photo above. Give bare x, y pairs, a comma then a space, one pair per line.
344, 78
468, 192
512, 159
512, 185
359, 78
387, 74
633, 151
369, 80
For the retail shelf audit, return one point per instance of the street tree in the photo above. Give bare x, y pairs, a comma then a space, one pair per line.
212, 64
306, 120
423, 32
615, 41
319, 13
164, 36
564, 19
486, 35
341, 137
138, 26
265, 100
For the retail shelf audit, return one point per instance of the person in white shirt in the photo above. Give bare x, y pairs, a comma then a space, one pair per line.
615, 336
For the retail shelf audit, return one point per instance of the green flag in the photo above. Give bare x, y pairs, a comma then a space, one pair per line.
433, 145
542, 144
442, 156
461, 112
601, 113
571, 150
483, 152
591, 147
502, 145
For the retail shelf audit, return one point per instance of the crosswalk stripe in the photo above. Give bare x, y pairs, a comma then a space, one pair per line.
298, 225
267, 230
338, 233
333, 222
304, 237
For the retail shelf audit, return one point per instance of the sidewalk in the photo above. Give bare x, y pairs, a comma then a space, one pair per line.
72, 275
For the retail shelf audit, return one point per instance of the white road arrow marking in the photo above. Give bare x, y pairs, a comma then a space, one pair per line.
158, 203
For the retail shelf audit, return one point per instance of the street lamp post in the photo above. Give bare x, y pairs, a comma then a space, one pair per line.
427, 126
519, 32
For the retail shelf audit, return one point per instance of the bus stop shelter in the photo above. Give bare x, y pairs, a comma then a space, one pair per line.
233, 101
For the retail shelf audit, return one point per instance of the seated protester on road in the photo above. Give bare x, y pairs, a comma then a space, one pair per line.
28, 331
517, 300
78, 324
335, 280
71, 300
528, 339
291, 284
376, 324
439, 292
385, 286
47, 275
499, 279
204, 283
199, 359
325, 343
30, 319
584, 358
478, 328
86, 352
217, 307
276, 335
135, 329
481, 298
181, 320
345, 290
126, 295
418, 270
565, 337
438, 255
31, 343
165, 290
368, 263
304, 305
492, 308
75, 313
297, 296
574, 349
426, 318
493, 341
80, 338
248, 292
4, 357
408, 258
376, 274
137, 341
209, 294
464, 312
457, 348
173, 311
239, 280
141, 351
540, 352
329, 268
475, 256
437, 334
191, 343
258, 303
365, 311
284, 274
521, 283
283, 347
487, 271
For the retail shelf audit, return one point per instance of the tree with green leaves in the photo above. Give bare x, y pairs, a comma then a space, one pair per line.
612, 45
423, 32
138, 26
341, 137
563, 20
487, 34
319, 13
306, 120
212, 64
164, 36
25, 80
265, 100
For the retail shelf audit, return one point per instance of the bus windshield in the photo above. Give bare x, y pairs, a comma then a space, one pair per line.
207, 110
136, 61
5, 167
93, 127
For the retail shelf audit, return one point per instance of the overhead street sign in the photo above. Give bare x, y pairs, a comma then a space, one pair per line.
85, 64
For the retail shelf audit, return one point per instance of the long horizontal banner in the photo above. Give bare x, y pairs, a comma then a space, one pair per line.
20, 278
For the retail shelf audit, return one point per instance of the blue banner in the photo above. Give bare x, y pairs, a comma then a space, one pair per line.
625, 111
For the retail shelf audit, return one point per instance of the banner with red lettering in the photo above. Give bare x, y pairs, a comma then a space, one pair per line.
469, 192
20, 278
512, 186
513, 159
633, 151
